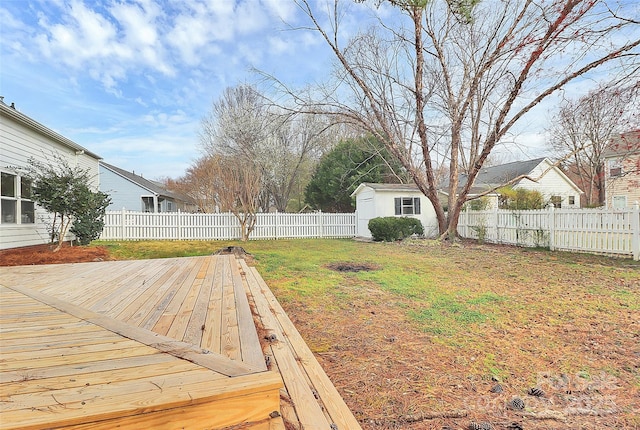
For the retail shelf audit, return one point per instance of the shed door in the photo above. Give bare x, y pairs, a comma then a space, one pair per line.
366, 211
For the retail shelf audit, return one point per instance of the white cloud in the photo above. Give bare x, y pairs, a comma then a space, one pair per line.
134, 77
250, 17
278, 45
84, 35
10, 23
163, 155
198, 28
110, 44
284, 10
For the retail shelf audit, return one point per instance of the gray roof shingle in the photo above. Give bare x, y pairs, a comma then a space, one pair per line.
152, 186
498, 175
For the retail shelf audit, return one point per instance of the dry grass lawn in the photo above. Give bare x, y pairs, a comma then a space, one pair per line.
416, 335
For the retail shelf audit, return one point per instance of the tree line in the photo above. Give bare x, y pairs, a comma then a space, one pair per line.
440, 87
431, 91
258, 157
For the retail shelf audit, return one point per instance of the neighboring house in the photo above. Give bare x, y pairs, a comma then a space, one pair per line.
622, 171
22, 222
134, 193
537, 175
381, 200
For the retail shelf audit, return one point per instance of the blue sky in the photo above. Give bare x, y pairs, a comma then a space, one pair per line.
131, 79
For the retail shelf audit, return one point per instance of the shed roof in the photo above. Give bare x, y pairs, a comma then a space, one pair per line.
386, 187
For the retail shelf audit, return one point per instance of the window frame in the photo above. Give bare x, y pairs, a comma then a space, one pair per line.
23, 207
615, 168
618, 198
148, 205
407, 206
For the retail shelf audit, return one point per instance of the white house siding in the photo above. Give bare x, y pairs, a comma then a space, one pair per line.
124, 193
18, 144
553, 183
372, 203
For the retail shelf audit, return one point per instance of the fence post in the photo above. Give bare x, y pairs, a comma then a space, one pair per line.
635, 230
276, 222
178, 225
320, 228
463, 222
552, 227
122, 223
496, 218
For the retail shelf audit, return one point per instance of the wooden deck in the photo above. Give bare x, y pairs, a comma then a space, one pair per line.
156, 343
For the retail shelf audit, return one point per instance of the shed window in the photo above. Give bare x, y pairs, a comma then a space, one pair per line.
557, 201
572, 200
407, 205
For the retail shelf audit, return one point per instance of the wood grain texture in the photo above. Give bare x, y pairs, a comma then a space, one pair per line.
81, 333
126, 377
307, 384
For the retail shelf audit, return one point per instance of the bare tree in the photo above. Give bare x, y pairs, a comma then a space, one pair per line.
466, 71
224, 183
200, 183
289, 154
282, 145
238, 188
585, 128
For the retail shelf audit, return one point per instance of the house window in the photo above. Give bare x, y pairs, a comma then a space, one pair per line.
572, 200
407, 205
16, 206
557, 201
619, 202
147, 204
615, 168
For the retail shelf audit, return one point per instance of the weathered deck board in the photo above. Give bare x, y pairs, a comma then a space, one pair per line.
310, 389
199, 311
133, 378
191, 299
212, 332
249, 343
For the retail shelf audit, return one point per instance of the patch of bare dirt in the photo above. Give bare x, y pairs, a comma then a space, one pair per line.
44, 255
352, 267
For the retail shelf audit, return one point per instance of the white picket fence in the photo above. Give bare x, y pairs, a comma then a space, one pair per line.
585, 230
610, 232
125, 225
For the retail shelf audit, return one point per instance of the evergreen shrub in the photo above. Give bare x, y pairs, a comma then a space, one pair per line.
391, 228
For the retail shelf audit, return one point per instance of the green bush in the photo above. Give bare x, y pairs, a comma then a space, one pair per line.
89, 223
520, 199
480, 204
391, 228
